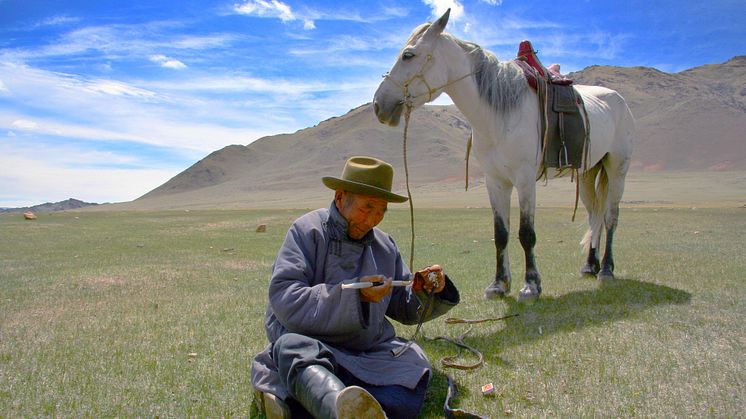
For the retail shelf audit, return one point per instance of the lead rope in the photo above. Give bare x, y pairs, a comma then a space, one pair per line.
430, 295
450, 413
407, 114
408, 107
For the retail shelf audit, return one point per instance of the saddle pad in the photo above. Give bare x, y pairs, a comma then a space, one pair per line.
565, 131
564, 99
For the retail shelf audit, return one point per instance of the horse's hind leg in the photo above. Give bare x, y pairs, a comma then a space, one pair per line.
607, 264
616, 174
587, 191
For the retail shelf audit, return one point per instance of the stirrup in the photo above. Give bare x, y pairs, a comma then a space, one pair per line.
271, 406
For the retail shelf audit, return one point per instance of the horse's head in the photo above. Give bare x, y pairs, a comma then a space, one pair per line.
415, 77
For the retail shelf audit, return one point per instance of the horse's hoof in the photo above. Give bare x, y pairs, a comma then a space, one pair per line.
498, 289
588, 271
529, 293
605, 275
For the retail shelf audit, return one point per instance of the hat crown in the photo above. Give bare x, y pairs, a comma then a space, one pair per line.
369, 171
366, 176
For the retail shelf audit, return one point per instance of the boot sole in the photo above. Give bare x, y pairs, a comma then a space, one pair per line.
356, 403
272, 406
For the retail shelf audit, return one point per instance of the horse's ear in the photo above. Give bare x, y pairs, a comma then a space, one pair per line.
437, 28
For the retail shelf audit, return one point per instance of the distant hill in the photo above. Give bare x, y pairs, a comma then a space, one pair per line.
692, 120
68, 204
268, 168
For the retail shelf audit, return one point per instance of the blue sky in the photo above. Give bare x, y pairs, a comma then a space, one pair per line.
104, 100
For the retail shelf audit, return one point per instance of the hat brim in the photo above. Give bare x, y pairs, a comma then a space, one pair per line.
362, 189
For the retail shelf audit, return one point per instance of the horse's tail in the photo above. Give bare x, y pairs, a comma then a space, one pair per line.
598, 218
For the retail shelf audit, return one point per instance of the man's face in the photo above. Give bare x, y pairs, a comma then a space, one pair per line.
361, 212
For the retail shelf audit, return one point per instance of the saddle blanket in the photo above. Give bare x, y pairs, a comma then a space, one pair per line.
564, 136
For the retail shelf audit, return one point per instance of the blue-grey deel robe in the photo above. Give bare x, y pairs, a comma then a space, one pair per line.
306, 297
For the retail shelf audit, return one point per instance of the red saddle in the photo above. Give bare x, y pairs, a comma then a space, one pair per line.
527, 58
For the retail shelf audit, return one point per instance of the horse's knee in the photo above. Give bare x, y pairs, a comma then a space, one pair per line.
501, 233
527, 234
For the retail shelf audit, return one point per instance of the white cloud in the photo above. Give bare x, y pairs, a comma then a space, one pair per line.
114, 88
272, 9
57, 21
24, 124
111, 110
3, 89
440, 6
40, 180
119, 41
167, 62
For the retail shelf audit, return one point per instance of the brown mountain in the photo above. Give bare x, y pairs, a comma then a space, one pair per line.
268, 168
692, 120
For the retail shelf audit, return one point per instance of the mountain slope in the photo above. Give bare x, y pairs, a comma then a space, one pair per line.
692, 120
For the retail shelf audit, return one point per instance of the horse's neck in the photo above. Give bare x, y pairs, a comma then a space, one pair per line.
466, 98
463, 90
515, 131
481, 116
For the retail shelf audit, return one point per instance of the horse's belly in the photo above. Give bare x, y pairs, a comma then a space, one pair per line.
554, 172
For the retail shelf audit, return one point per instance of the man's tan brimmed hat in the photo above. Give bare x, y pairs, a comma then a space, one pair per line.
366, 176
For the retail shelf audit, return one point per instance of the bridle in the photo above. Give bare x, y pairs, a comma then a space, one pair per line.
407, 98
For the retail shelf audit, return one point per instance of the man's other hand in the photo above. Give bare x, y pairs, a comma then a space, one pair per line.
431, 279
375, 293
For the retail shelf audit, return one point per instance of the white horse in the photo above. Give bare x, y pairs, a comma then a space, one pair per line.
504, 115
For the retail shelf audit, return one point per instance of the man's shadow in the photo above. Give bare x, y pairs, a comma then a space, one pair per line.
611, 301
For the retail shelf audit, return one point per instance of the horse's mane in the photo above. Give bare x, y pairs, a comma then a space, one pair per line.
501, 84
417, 32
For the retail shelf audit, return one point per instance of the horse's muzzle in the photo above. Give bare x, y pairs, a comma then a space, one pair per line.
389, 115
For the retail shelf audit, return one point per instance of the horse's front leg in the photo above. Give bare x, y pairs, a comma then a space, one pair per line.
527, 236
499, 193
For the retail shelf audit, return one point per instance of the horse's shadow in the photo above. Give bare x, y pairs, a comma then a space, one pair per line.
610, 301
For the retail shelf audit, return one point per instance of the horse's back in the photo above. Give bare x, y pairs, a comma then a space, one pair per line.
612, 126
596, 94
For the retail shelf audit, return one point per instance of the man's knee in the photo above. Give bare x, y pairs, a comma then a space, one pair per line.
293, 351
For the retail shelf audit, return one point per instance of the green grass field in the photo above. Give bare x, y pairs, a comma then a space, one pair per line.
160, 313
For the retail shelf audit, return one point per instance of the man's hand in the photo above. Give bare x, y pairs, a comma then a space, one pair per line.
375, 293
431, 279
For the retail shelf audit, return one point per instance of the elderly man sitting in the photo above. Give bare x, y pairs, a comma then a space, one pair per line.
335, 283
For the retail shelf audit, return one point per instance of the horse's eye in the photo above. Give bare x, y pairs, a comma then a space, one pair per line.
407, 55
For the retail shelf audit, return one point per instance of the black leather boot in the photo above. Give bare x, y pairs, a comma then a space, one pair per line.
326, 397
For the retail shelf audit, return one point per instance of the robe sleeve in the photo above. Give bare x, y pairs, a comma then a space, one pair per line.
320, 310
406, 305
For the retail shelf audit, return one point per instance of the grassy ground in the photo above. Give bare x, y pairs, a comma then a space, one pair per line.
159, 314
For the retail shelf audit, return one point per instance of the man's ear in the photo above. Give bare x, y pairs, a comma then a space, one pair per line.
339, 196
